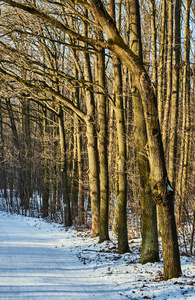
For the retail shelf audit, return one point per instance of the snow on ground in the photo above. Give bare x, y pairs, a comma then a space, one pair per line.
39, 260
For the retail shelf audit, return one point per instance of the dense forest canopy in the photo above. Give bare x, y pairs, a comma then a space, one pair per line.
97, 115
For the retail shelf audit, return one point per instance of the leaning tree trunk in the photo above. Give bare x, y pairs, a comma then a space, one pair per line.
161, 191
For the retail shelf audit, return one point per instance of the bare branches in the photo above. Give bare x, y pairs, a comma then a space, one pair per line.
54, 22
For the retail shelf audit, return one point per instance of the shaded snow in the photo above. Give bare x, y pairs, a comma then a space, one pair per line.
39, 260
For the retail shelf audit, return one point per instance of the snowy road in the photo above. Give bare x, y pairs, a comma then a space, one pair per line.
34, 266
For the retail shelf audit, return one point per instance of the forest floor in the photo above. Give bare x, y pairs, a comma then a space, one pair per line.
41, 260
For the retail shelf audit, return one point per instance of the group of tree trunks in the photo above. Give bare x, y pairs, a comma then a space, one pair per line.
74, 77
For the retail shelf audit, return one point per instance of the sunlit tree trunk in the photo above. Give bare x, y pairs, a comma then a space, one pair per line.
80, 174
175, 97
121, 198
165, 127
102, 146
161, 191
148, 208
92, 146
161, 74
185, 136
153, 40
78, 129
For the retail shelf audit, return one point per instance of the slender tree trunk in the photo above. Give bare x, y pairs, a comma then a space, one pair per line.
121, 198
175, 97
93, 177
165, 126
80, 175
79, 164
154, 48
2, 154
66, 199
46, 171
54, 176
102, 146
113, 167
26, 153
162, 62
185, 137
92, 146
193, 229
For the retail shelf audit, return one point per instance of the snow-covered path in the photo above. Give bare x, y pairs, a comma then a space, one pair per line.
39, 260
33, 266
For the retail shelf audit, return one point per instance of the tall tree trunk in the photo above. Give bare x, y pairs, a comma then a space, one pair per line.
54, 176
148, 208
162, 62
92, 146
121, 198
80, 174
26, 153
2, 154
45, 170
169, 76
79, 163
175, 96
154, 48
16, 143
162, 194
93, 177
193, 229
102, 146
185, 137
66, 198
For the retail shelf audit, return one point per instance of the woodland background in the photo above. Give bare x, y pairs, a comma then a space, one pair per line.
71, 132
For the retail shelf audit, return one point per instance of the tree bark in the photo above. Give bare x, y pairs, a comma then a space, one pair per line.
185, 137
154, 48
175, 97
161, 74
158, 175
45, 206
149, 251
92, 145
121, 197
165, 128
66, 198
102, 146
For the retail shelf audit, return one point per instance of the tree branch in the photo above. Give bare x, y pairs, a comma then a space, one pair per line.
43, 16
